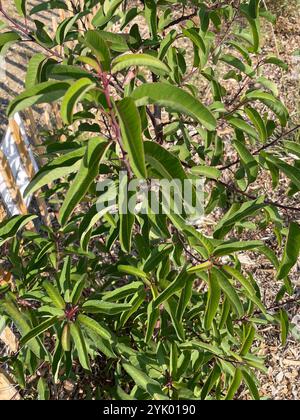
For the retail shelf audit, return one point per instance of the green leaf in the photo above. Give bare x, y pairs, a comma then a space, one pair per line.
65, 27
94, 326
213, 299
88, 171
43, 390
106, 13
7, 39
124, 61
48, 5
21, 7
243, 126
258, 122
206, 171
152, 318
277, 62
229, 291
291, 251
201, 267
39, 329
24, 327
133, 271
254, 8
34, 69
251, 385
231, 247
131, 130
9, 228
73, 96
80, 345
99, 48
247, 160
176, 99
290, 171
58, 168
103, 307
165, 164
238, 64
124, 291
235, 384
177, 285
248, 341
143, 381
270, 101
54, 295
285, 325
47, 92
237, 214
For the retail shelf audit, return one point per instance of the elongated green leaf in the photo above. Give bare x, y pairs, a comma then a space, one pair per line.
73, 96
291, 251
34, 70
258, 122
43, 390
237, 214
195, 37
201, 267
213, 299
80, 345
273, 103
103, 307
9, 228
39, 329
230, 247
133, 271
238, 64
95, 41
21, 6
124, 291
242, 125
235, 384
47, 92
248, 341
88, 171
251, 384
106, 13
229, 291
48, 5
247, 285
165, 164
152, 318
24, 327
58, 168
284, 322
290, 171
54, 295
145, 382
146, 60
7, 39
95, 326
174, 287
176, 99
206, 171
131, 129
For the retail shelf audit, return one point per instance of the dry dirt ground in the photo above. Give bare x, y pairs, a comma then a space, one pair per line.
283, 378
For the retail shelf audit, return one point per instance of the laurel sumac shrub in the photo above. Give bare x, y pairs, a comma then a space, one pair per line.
149, 304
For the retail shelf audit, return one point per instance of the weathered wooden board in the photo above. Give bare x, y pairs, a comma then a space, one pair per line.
14, 177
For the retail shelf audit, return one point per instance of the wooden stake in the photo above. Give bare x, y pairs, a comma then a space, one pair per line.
27, 163
10, 182
22, 149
